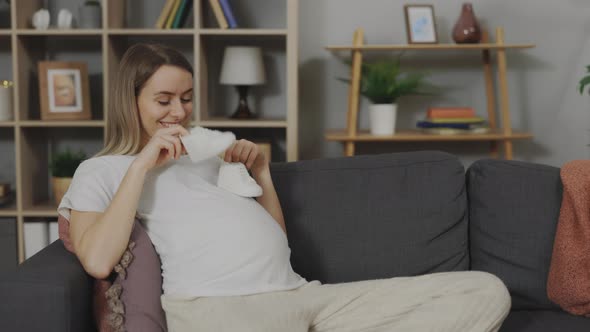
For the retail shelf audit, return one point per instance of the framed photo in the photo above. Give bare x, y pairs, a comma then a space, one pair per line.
64, 90
420, 24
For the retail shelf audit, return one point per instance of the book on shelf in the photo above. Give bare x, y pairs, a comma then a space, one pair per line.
455, 131
450, 112
457, 125
473, 119
182, 14
161, 22
170, 18
229, 14
216, 6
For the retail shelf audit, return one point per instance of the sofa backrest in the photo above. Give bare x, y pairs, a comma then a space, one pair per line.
513, 213
374, 216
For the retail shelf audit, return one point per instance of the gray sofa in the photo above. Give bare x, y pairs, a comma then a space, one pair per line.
368, 217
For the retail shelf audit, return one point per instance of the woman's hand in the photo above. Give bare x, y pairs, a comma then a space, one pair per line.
249, 154
163, 146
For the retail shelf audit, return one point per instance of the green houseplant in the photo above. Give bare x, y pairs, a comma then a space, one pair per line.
383, 83
63, 165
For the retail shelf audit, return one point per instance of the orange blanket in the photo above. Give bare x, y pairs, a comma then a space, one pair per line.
568, 283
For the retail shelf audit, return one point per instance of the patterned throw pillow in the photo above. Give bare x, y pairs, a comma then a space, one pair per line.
132, 302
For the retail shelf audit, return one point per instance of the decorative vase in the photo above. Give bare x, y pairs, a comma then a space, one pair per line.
90, 17
467, 29
60, 186
382, 119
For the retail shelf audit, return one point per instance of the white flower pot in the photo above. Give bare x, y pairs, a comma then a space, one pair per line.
382, 119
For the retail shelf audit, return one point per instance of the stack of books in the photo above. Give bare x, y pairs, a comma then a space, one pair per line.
223, 14
452, 121
174, 14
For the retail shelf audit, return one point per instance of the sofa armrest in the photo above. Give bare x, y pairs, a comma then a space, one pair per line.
48, 292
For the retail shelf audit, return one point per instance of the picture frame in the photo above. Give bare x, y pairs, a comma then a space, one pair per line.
64, 90
420, 24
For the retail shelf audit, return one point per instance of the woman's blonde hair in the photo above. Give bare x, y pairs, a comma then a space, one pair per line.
139, 63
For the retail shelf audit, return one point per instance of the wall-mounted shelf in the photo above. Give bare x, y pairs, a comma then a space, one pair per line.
504, 134
414, 135
429, 47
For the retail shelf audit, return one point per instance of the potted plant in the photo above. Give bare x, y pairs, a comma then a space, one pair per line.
383, 83
63, 166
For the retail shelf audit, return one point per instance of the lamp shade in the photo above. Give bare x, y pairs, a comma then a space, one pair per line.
242, 66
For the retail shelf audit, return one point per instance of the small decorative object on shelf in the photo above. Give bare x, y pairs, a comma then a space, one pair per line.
420, 24
90, 15
467, 30
63, 166
383, 83
4, 189
6, 108
64, 19
6, 195
242, 66
64, 90
40, 19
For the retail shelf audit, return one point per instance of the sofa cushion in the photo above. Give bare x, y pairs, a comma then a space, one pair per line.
513, 212
374, 216
132, 301
545, 321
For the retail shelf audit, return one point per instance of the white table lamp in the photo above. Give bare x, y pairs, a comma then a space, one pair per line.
242, 66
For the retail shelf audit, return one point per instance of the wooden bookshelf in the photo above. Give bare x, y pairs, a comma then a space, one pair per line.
33, 137
502, 133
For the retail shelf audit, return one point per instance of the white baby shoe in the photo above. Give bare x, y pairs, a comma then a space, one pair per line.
234, 177
205, 143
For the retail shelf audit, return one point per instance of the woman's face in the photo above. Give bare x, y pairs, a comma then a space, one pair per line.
165, 100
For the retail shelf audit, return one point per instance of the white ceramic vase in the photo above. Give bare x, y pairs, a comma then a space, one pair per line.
382, 119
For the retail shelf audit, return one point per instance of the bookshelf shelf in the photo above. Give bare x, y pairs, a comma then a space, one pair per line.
40, 123
243, 32
147, 32
59, 32
43, 209
5, 32
7, 124
499, 134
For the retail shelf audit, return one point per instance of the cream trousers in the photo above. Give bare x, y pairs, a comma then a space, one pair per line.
450, 301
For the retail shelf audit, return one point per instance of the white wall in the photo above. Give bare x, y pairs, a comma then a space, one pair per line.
542, 81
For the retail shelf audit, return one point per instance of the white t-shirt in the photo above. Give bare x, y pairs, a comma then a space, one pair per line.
211, 242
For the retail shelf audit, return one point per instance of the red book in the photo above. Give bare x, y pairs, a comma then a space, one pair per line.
450, 112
